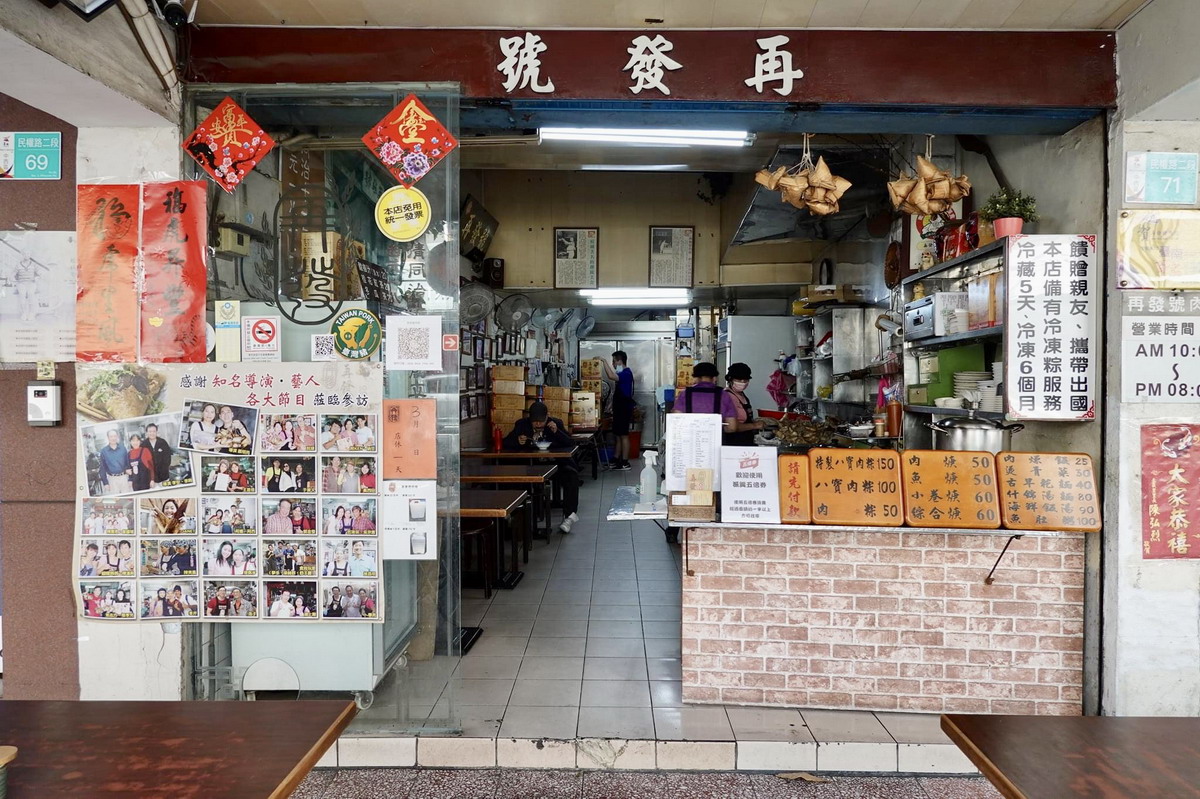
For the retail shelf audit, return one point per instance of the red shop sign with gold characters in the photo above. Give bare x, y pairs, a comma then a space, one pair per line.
410, 141
1170, 475
228, 144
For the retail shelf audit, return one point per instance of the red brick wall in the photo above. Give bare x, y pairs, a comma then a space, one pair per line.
883, 620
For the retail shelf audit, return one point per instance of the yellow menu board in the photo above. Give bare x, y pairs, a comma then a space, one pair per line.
795, 505
1048, 491
856, 486
950, 489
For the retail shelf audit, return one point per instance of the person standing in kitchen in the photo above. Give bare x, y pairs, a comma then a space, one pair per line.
705, 396
623, 406
741, 428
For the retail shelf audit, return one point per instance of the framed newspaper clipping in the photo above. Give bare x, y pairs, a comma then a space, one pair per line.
672, 256
576, 257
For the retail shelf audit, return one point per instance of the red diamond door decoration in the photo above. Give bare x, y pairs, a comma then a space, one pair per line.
409, 141
227, 144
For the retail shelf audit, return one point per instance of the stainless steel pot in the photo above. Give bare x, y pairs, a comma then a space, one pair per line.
970, 434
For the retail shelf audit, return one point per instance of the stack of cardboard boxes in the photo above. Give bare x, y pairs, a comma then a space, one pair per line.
584, 409
508, 395
557, 400
590, 376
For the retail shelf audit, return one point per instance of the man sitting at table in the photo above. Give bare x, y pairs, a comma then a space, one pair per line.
540, 426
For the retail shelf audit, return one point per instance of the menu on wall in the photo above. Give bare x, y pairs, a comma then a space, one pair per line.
750, 485
950, 489
856, 487
795, 504
1170, 474
1048, 491
231, 491
693, 442
1050, 343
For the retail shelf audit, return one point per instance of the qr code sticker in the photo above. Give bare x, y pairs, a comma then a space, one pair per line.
323, 347
416, 344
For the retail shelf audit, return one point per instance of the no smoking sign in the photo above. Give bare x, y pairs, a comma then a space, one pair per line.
260, 338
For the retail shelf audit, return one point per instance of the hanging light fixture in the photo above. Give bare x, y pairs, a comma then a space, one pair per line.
932, 191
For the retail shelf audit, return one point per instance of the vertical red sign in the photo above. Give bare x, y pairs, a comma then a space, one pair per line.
106, 303
408, 448
174, 237
1170, 475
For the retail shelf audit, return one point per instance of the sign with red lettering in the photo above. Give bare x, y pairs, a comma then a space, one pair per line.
1170, 474
174, 239
228, 144
410, 141
106, 300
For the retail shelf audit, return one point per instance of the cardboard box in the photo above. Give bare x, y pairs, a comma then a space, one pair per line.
590, 369
845, 292
508, 373
509, 387
681, 509
555, 393
532, 390
558, 409
506, 419
592, 385
509, 402
583, 401
584, 420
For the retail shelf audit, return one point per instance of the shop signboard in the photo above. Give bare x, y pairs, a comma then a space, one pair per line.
1161, 178
231, 492
1051, 347
950, 489
856, 487
1160, 346
750, 485
693, 442
31, 155
1170, 474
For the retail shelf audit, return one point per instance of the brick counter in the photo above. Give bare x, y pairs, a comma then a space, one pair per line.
883, 620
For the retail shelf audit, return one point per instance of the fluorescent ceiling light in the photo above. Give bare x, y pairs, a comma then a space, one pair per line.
665, 137
626, 302
647, 293
635, 167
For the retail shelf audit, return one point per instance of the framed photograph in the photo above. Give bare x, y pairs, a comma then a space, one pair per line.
130, 456
672, 256
479, 347
464, 409
576, 257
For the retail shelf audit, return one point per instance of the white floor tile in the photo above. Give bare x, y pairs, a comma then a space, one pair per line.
616, 722
914, 728
659, 598
614, 597
665, 668
632, 668
436, 752
482, 692
662, 613
535, 753
504, 613
522, 627
615, 753
615, 648
397, 752
666, 693
845, 725
615, 629
570, 612
556, 647
551, 668
768, 724
499, 646
615, 613
615, 693
692, 724
545, 693
663, 648
695, 756
933, 759
489, 668
662, 629
776, 756
559, 628
857, 757
552, 597
540, 722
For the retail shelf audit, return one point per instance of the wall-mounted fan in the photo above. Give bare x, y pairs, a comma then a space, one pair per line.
545, 318
514, 312
586, 325
476, 301
563, 320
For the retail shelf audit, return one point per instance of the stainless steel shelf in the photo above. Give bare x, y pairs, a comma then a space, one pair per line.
941, 342
962, 260
934, 410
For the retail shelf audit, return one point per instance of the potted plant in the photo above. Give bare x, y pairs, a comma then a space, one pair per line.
1008, 210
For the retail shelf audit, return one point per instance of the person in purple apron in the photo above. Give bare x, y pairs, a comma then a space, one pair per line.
703, 396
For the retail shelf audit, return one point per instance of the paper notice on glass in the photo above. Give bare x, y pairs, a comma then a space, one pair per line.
408, 519
414, 343
693, 442
750, 485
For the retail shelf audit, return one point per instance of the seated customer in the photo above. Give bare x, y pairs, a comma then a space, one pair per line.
540, 426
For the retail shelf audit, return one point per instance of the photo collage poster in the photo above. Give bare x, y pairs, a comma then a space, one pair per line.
230, 491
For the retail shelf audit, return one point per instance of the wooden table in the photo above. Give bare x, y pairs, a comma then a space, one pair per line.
1099, 757
476, 503
588, 439
536, 479
547, 455
172, 750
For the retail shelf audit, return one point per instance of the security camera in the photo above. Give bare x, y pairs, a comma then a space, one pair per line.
174, 13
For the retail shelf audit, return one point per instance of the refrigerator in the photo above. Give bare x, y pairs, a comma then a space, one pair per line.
755, 340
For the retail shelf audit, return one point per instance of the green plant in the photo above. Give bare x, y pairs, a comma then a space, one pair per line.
1009, 203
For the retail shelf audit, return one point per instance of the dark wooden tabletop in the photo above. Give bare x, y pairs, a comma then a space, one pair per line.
475, 472
476, 503
1070, 757
550, 454
173, 750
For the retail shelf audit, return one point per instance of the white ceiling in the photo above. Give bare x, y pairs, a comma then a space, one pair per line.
624, 14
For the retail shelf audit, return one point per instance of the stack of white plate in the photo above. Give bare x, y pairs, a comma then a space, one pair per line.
990, 400
969, 381
998, 371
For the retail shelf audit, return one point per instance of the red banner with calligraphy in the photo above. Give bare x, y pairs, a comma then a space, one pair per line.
174, 237
106, 301
1170, 475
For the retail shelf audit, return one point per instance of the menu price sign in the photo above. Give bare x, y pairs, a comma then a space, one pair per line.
795, 504
1049, 491
1160, 346
750, 485
693, 442
856, 487
1050, 346
1170, 474
950, 489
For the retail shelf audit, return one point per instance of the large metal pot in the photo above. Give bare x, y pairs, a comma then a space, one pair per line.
970, 434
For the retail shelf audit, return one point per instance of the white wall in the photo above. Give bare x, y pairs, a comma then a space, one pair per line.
138, 661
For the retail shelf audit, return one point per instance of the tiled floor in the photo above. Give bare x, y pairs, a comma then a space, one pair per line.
565, 784
588, 647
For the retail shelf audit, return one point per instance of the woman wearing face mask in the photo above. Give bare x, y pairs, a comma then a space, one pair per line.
741, 428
